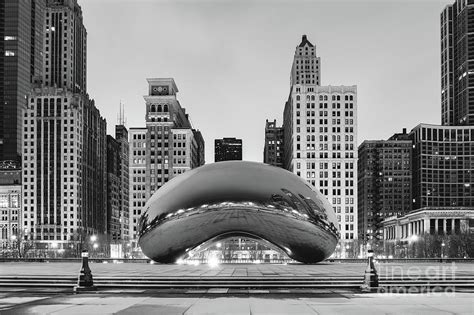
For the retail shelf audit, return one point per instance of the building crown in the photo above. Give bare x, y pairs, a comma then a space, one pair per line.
161, 86
305, 41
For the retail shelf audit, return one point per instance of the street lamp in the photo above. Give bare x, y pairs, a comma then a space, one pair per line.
93, 238
442, 249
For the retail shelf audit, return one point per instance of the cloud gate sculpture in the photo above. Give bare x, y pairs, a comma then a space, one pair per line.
238, 199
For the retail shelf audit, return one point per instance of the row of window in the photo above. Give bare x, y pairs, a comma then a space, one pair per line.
324, 97
9, 200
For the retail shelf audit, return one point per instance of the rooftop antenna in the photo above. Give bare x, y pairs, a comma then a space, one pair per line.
121, 120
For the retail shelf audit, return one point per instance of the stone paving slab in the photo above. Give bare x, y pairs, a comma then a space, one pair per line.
235, 270
440, 303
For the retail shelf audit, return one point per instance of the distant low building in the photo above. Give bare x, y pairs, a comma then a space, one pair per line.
10, 204
273, 147
440, 221
227, 149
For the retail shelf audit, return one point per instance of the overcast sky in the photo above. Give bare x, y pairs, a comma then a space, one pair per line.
231, 60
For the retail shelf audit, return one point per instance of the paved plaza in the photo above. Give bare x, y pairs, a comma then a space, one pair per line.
234, 270
438, 303
28, 300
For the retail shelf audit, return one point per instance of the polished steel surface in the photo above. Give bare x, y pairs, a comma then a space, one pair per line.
238, 198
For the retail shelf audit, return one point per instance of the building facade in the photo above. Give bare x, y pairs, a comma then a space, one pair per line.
121, 136
457, 68
65, 46
442, 181
443, 156
273, 150
443, 160
306, 68
10, 206
320, 124
139, 193
429, 221
113, 188
320, 136
64, 168
21, 63
166, 147
227, 149
64, 141
384, 183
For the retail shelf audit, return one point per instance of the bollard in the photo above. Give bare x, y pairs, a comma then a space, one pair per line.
371, 278
85, 281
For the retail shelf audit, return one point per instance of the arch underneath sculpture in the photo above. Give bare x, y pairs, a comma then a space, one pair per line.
237, 247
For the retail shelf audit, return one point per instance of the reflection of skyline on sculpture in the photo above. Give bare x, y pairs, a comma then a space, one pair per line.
238, 198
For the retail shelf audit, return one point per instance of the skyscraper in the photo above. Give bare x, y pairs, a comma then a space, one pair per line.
64, 141
21, 63
273, 147
443, 156
442, 181
384, 182
306, 68
121, 136
113, 189
65, 46
320, 136
166, 147
457, 69
443, 160
227, 149
64, 167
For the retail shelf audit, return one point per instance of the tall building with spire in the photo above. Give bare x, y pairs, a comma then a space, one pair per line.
306, 68
457, 68
320, 136
21, 63
166, 147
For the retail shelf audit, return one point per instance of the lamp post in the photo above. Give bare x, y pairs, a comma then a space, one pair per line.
371, 278
442, 250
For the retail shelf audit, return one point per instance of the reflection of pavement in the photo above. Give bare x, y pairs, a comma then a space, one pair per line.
235, 270
459, 303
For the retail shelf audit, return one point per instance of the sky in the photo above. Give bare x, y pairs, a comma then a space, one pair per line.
231, 60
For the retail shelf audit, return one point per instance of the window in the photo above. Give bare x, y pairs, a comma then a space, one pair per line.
9, 53
3, 201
